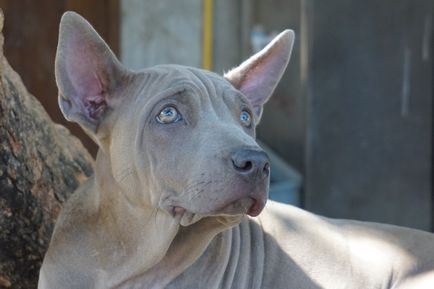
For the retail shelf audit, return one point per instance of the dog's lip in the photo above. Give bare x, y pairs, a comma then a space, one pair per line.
256, 208
176, 210
247, 205
184, 216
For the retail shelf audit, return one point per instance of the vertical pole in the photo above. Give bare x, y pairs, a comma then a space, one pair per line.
207, 34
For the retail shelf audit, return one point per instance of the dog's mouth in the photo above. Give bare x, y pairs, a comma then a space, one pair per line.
247, 205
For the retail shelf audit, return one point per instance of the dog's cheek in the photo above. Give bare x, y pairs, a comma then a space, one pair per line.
162, 173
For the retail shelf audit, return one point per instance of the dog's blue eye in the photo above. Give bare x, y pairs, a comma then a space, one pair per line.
169, 114
246, 118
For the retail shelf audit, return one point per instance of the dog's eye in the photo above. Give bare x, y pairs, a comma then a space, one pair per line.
169, 114
246, 118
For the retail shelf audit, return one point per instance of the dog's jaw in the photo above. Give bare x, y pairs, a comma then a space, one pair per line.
238, 208
246, 205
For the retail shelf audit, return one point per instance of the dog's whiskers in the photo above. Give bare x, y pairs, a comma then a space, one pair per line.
196, 189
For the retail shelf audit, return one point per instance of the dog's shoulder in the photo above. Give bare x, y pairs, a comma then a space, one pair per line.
78, 211
63, 260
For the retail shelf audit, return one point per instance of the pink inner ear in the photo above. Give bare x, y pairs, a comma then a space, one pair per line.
255, 87
263, 75
86, 75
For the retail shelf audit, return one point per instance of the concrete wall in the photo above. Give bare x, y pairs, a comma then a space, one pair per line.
227, 35
160, 32
164, 31
369, 113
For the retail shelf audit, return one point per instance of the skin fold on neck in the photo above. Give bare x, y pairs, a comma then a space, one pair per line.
147, 239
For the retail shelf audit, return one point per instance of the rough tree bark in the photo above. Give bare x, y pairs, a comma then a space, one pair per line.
41, 164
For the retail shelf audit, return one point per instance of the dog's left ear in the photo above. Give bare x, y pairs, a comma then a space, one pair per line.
257, 77
87, 73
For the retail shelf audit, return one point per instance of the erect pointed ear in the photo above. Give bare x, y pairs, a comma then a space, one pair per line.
87, 72
257, 77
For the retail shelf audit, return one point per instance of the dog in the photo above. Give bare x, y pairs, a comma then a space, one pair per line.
180, 182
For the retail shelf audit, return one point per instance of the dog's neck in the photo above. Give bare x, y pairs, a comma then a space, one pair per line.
151, 241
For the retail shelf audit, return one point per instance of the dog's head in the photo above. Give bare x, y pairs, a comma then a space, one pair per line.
176, 138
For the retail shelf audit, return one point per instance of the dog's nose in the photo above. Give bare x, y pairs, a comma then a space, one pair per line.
251, 163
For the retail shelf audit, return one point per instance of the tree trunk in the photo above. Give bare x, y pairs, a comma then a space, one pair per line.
41, 164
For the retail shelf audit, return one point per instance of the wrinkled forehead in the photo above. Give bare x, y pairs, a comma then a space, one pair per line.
166, 79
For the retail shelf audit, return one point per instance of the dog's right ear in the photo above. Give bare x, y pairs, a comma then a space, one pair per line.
257, 77
87, 73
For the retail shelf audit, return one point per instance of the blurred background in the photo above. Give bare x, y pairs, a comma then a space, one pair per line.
349, 128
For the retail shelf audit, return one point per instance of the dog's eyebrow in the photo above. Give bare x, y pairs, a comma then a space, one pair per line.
167, 93
180, 92
172, 91
179, 87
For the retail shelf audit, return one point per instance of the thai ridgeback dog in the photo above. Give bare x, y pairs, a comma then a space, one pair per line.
180, 183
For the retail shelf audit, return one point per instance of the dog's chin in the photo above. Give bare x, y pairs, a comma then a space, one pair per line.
238, 208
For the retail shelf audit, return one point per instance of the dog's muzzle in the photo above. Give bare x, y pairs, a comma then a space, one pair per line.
254, 167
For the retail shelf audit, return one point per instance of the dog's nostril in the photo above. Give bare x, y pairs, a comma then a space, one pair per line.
266, 168
247, 166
